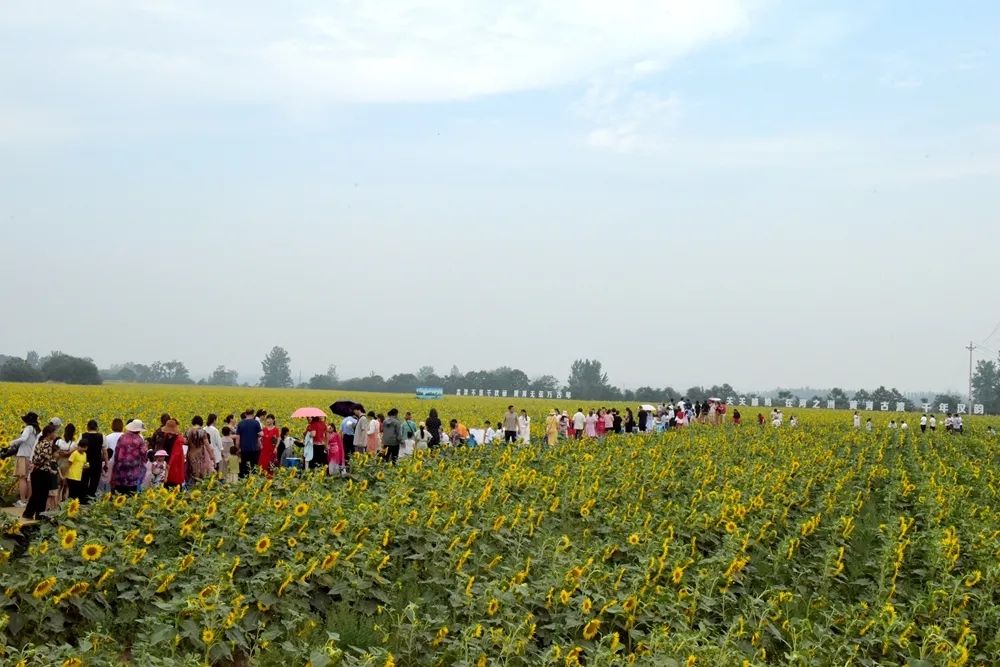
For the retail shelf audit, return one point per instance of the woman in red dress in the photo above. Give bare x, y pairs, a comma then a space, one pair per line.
601, 428
177, 461
268, 445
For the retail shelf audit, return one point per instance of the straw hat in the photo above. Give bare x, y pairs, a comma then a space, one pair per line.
170, 428
135, 426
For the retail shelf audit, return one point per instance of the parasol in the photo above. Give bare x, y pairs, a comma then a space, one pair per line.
345, 408
302, 413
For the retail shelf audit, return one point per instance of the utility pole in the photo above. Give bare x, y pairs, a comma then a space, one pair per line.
971, 347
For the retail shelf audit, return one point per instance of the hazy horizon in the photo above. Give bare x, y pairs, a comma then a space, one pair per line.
753, 192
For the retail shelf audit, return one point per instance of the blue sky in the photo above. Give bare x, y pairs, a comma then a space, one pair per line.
762, 193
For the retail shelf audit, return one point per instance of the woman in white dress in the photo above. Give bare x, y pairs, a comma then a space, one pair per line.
524, 427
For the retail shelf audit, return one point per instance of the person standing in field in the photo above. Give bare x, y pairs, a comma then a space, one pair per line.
600, 427
579, 423
361, 433
201, 463
44, 472
131, 457
433, 424
857, 419
110, 444
76, 471
510, 425
923, 423
269, 445
97, 458
630, 424
334, 450
590, 425
552, 428
868, 424
524, 427
248, 431
392, 436
347, 426
374, 441
24, 446
215, 440
932, 422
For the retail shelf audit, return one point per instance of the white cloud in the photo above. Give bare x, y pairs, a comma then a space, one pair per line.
355, 50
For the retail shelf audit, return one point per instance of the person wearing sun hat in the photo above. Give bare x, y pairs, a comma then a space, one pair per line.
24, 448
130, 459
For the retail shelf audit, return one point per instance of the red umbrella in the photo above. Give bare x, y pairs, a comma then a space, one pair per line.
308, 412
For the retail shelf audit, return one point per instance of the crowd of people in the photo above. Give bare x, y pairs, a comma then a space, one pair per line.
54, 462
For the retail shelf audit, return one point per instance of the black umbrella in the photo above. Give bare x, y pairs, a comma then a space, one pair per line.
345, 408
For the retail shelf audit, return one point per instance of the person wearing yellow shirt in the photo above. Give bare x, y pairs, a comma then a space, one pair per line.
74, 474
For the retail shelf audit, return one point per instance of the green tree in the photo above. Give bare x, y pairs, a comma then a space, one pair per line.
986, 385
224, 377
837, 394
59, 367
588, 380
277, 368
16, 369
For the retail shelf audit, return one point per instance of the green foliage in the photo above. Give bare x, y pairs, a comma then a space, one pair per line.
277, 368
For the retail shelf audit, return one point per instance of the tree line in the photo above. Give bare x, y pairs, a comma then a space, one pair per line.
586, 381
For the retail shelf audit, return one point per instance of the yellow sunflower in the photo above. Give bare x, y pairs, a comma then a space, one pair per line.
590, 630
92, 551
493, 607
211, 509
72, 662
148, 539
292, 542
43, 588
68, 539
633, 539
677, 575
587, 605
120, 501
263, 544
207, 635
301, 509
330, 560
339, 527
73, 508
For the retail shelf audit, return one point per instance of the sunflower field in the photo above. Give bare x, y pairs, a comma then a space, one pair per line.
819, 545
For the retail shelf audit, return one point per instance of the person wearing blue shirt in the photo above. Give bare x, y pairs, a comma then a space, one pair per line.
347, 428
249, 430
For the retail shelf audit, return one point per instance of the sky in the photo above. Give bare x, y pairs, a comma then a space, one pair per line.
756, 192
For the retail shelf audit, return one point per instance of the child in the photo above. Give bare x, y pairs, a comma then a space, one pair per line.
233, 465
286, 447
74, 472
228, 442
158, 471
335, 452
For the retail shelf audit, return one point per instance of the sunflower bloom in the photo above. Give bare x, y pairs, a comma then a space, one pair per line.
590, 630
633, 539
493, 607
92, 551
301, 509
68, 539
263, 544
73, 508
43, 588
207, 635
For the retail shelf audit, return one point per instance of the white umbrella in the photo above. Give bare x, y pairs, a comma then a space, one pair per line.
647, 407
716, 400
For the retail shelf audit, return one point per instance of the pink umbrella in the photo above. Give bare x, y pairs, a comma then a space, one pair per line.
308, 412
